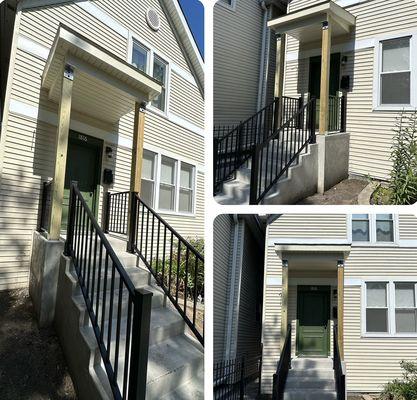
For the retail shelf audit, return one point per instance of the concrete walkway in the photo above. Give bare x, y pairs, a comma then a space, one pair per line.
32, 365
344, 193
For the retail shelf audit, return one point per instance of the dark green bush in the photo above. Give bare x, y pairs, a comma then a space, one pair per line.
405, 388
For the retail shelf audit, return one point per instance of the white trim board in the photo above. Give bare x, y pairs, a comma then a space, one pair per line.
313, 241
32, 112
277, 281
350, 3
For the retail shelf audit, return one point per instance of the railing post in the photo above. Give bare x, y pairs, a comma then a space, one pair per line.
253, 197
300, 107
275, 387
131, 240
343, 113
260, 370
107, 212
242, 379
140, 344
277, 113
215, 162
71, 220
313, 121
239, 139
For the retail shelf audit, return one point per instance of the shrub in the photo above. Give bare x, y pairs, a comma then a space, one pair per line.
403, 182
405, 388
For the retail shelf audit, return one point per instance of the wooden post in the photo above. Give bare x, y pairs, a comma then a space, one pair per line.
64, 116
325, 75
340, 305
137, 150
284, 302
279, 78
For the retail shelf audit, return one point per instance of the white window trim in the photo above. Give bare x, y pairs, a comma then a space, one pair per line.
157, 182
372, 232
152, 52
231, 7
391, 306
377, 106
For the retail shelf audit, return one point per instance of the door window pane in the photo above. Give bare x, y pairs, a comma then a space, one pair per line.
140, 56
376, 294
376, 320
159, 73
384, 228
360, 228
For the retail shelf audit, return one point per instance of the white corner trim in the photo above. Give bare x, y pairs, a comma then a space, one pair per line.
272, 281
103, 17
32, 47
176, 119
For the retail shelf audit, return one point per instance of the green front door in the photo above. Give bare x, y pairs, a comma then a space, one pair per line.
83, 166
313, 314
314, 81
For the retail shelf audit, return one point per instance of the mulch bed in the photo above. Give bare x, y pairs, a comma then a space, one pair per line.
32, 365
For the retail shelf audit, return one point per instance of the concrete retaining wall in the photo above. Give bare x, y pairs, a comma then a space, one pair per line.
43, 281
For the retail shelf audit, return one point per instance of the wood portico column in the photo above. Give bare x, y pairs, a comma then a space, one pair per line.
64, 117
136, 171
279, 75
340, 305
284, 302
325, 75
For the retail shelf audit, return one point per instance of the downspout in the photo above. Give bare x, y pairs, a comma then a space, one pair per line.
263, 55
229, 328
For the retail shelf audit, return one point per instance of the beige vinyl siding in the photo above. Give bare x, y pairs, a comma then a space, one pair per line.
184, 98
407, 225
237, 51
222, 256
371, 132
309, 226
28, 144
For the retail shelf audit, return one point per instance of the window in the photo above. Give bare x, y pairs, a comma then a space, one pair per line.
167, 184
384, 228
376, 307
373, 228
228, 3
140, 57
186, 188
360, 228
405, 307
395, 72
159, 73
148, 177
147, 61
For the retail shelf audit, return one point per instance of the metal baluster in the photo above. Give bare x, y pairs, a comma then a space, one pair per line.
178, 270
119, 317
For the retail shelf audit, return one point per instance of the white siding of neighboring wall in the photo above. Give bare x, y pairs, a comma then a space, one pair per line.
237, 51
309, 226
222, 256
371, 131
371, 362
28, 145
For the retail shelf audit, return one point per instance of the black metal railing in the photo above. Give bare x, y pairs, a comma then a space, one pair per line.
119, 313
177, 266
339, 369
116, 212
337, 113
284, 365
220, 131
229, 379
272, 158
45, 207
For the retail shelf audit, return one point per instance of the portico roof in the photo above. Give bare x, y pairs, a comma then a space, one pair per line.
305, 24
105, 86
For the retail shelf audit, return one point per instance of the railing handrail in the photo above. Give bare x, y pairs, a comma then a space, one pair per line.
171, 229
339, 371
120, 269
280, 377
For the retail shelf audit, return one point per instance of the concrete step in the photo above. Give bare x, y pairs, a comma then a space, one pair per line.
309, 383
192, 390
312, 363
309, 394
313, 373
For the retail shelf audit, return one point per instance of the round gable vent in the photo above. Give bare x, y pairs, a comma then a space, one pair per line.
152, 19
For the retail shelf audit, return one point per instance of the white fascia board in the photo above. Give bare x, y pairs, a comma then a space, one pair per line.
307, 241
349, 3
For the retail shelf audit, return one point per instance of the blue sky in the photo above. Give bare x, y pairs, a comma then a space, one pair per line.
194, 13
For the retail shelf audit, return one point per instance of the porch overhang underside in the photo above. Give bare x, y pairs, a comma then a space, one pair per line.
104, 87
322, 256
305, 24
